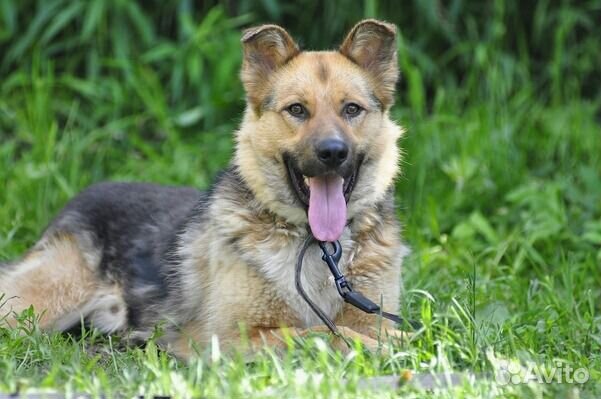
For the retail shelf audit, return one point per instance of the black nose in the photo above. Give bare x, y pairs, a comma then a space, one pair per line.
332, 152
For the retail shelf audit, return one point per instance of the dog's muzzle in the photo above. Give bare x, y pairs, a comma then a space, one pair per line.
325, 195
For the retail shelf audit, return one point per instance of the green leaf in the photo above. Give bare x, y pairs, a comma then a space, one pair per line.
94, 14
64, 17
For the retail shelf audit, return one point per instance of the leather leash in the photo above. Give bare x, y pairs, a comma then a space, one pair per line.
344, 288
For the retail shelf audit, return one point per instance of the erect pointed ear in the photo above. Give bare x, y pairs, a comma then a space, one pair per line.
371, 44
266, 48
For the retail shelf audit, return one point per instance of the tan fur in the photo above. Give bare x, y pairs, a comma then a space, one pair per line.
236, 297
57, 279
51, 279
371, 44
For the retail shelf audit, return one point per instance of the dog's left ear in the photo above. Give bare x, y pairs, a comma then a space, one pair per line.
371, 44
266, 48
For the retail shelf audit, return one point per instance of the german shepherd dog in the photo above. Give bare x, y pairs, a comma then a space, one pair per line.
316, 153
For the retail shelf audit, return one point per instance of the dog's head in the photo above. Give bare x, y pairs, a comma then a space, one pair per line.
316, 142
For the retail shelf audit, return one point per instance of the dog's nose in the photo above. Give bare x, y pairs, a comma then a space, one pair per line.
332, 152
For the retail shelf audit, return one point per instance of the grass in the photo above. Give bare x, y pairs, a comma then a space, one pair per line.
500, 196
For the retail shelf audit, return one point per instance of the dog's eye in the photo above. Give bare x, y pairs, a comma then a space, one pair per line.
297, 110
352, 110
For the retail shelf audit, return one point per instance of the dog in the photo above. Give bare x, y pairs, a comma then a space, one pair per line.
316, 153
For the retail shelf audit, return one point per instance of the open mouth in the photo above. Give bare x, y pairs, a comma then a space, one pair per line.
325, 198
300, 183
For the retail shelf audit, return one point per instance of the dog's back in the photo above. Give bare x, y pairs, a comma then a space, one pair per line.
103, 250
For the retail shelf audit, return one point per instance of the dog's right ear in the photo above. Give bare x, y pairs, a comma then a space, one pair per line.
371, 44
266, 48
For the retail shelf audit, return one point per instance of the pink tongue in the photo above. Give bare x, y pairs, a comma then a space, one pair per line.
327, 207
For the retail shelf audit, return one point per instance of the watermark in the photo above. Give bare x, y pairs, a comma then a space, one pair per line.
559, 373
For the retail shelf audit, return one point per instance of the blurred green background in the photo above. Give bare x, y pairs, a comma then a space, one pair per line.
499, 97
501, 188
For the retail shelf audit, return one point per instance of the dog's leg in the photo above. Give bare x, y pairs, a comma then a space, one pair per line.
380, 329
276, 337
386, 288
59, 280
376, 273
369, 324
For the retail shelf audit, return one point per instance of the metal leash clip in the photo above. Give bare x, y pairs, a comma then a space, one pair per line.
344, 288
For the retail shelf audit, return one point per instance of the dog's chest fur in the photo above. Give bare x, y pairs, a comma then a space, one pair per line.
278, 267
269, 247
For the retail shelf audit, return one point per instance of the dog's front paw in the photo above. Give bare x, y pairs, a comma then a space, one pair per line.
391, 334
352, 336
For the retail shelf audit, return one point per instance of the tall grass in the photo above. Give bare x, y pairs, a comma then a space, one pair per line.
500, 193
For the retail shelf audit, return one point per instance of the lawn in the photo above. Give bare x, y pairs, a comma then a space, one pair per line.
500, 195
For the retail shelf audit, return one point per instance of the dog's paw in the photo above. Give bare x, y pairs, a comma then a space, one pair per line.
352, 336
394, 334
